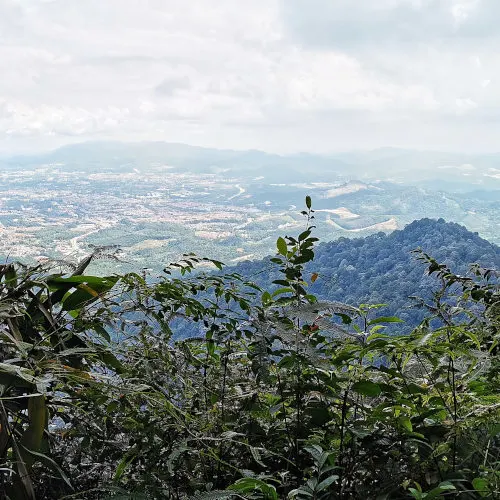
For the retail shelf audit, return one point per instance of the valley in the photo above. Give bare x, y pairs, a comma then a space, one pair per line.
62, 205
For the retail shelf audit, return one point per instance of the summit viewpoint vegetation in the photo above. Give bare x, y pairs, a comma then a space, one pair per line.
284, 395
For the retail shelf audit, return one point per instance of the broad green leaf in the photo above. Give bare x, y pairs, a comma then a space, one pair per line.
480, 484
441, 488
304, 235
266, 298
326, 483
367, 388
281, 246
102, 332
405, 423
250, 484
77, 299
315, 451
111, 361
416, 494
413, 388
281, 291
219, 265
75, 280
16, 375
281, 282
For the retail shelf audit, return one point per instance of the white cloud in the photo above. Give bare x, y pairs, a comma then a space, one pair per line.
273, 74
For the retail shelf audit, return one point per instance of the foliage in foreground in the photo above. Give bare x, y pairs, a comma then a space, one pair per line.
290, 398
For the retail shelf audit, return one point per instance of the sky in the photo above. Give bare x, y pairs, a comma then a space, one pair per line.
276, 75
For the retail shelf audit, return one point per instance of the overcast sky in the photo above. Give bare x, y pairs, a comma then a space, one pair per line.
276, 75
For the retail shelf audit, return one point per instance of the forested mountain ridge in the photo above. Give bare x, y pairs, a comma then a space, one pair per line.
382, 268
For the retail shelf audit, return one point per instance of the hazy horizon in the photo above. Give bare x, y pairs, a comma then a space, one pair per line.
26, 151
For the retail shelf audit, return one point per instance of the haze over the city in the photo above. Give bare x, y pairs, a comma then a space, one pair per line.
280, 76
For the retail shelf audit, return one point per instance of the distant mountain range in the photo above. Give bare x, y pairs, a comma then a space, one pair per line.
450, 171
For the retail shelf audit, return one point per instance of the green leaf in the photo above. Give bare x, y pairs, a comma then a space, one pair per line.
49, 462
250, 484
480, 484
405, 423
416, 494
111, 361
308, 202
266, 298
413, 388
474, 338
256, 456
10, 275
302, 491
16, 375
77, 299
281, 282
122, 466
102, 332
281, 246
326, 483
346, 319
441, 488
385, 319
108, 281
304, 235
367, 388
315, 451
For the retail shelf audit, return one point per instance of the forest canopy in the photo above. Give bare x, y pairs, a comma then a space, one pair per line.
383, 268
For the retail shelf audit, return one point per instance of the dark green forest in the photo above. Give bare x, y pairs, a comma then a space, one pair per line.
382, 268
304, 388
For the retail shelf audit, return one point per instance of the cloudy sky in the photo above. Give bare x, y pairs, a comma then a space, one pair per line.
277, 75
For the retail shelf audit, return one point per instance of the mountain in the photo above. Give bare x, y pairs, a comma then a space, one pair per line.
381, 268
459, 172
118, 156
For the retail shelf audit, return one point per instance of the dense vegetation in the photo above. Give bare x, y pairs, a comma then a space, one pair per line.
381, 268
286, 396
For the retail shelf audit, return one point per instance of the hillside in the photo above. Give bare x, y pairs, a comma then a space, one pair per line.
382, 269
